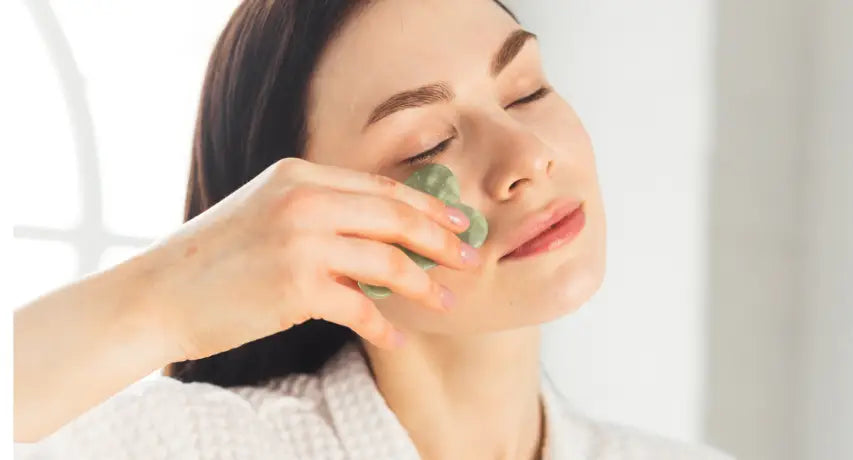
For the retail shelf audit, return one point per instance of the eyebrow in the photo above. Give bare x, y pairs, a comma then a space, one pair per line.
441, 92
510, 48
425, 95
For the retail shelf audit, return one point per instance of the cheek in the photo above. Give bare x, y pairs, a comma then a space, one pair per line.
535, 292
557, 125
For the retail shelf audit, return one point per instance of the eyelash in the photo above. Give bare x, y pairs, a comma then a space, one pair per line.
442, 146
422, 157
538, 94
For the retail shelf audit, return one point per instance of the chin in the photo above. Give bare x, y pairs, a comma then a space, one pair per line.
577, 286
549, 286
536, 298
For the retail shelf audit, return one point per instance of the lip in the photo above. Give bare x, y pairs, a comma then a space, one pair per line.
535, 235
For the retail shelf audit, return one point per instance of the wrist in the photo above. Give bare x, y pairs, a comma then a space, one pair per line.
146, 309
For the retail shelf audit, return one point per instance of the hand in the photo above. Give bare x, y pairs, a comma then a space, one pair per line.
290, 246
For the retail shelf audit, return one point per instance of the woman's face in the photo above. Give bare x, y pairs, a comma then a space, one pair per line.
513, 153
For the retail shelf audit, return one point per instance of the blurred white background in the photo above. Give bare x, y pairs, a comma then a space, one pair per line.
724, 135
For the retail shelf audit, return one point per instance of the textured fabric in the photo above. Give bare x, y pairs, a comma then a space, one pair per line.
337, 414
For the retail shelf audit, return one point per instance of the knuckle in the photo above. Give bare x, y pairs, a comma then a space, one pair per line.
300, 200
382, 332
428, 288
385, 184
408, 221
435, 206
397, 264
362, 314
452, 245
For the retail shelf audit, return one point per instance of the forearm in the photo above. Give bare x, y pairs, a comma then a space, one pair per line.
80, 344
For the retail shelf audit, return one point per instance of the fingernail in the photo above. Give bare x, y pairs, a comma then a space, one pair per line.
448, 300
457, 217
469, 254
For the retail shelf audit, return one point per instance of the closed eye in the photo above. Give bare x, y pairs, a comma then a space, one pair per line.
539, 94
423, 157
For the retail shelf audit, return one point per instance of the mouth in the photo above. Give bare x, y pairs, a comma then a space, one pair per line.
548, 230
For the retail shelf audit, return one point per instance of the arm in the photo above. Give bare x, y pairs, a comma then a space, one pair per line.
80, 344
270, 255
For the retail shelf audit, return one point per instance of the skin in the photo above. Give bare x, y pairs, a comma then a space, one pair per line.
273, 254
495, 149
290, 244
438, 181
461, 358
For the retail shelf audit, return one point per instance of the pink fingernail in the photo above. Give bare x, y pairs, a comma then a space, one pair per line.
457, 217
469, 254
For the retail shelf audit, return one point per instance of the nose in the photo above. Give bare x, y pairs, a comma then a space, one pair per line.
519, 161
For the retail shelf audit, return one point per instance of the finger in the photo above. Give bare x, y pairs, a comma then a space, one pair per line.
392, 221
381, 264
353, 181
356, 311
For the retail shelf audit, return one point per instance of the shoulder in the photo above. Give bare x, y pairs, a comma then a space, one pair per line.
166, 418
576, 435
622, 442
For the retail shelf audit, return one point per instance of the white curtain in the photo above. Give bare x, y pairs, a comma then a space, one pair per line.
733, 122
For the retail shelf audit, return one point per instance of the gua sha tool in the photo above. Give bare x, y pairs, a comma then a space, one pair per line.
438, 181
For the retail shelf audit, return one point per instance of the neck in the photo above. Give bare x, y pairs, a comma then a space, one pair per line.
471, 397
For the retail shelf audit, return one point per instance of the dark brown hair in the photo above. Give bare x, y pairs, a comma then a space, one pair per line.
252, 113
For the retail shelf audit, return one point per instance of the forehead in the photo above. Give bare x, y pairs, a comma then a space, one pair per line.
396, 45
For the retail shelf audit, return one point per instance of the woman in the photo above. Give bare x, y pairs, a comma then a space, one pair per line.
311, 115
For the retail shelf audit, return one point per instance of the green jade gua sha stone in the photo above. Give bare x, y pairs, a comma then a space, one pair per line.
438, 181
